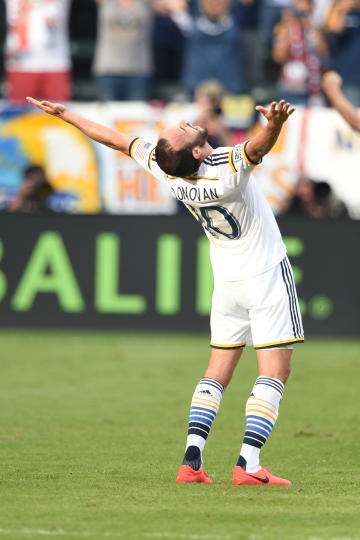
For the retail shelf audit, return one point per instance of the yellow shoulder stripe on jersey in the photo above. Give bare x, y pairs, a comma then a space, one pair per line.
201, 178
231, 162
247, 159
191, 178
285, 342
132, 146
245, 156
150, 158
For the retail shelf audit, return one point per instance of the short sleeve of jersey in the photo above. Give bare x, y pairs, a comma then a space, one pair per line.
232, 165
143, 152
239, 160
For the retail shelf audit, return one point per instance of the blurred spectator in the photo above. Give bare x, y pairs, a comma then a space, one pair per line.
343, 34
250, 42
2, 40
123, 63
332, 87
208, 97
298, 47
172, 23
213, 47
37, 50
33, 193
316, 200
270, 12
320, 12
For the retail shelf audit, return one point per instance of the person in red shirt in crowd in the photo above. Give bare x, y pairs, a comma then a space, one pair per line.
299, 47
37, 50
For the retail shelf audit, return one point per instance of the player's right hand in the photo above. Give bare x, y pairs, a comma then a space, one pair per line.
55, 109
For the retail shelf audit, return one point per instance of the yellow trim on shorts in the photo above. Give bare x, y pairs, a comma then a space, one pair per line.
220, 346
285, 342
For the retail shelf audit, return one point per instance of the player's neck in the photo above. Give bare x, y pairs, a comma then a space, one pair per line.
206, 151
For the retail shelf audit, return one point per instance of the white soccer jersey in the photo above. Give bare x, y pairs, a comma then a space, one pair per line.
244, 237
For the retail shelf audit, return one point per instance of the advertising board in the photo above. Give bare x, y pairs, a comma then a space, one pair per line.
145, 272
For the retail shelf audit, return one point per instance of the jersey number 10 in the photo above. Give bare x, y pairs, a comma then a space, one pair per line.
218, 221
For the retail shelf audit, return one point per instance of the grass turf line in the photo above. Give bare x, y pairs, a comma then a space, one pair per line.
93, 428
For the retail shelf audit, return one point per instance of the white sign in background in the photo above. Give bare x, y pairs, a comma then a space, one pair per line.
332, 154
127, 188
315, 143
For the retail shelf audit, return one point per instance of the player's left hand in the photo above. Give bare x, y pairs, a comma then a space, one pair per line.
277, 113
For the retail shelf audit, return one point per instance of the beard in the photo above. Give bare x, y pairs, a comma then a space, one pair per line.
201, 137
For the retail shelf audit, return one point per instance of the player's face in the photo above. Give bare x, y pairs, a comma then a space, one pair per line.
184, 134
215, 8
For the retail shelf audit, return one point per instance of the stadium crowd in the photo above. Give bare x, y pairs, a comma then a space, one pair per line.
147, 49
199, 50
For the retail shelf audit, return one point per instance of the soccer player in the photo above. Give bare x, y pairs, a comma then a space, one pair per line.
254, 299
331, 83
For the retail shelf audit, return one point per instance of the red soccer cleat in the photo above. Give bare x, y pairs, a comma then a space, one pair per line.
262, 477
187, 474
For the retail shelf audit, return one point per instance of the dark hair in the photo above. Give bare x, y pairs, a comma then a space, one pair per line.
41, 188
35, 172
176, 162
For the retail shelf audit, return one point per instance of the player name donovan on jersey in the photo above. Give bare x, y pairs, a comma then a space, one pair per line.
223, 196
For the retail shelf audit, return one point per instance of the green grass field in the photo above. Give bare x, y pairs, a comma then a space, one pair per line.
93, 428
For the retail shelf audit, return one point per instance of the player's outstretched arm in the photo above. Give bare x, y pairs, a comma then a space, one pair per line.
331, 83
97, 132
263, 141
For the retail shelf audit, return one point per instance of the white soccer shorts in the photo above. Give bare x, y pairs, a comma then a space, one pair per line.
262, 311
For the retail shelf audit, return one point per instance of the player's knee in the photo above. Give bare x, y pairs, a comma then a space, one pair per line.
286, 373
275, 363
